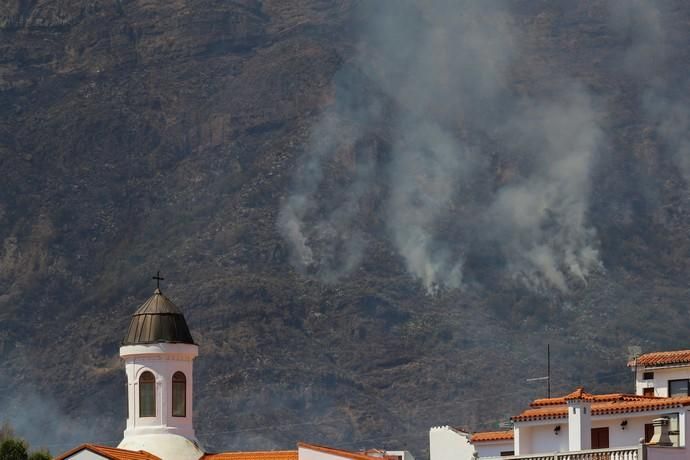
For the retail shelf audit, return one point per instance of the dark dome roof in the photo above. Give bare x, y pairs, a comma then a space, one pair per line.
157, 320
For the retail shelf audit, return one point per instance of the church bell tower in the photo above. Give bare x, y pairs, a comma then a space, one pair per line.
158, 352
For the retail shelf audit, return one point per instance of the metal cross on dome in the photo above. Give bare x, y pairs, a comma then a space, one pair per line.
158, 279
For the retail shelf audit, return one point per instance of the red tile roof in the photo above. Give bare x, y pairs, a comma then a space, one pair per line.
639, 406
662, 358
579, 393
261, 455
541, 414
487, 436
553, 408
344, 453
593, 398
111, 453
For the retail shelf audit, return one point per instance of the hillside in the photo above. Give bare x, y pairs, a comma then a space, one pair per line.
375, 215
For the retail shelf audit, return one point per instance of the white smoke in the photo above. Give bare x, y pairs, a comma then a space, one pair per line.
542, 216
425, 173
648, 31
435, 77
39, 420
332, 227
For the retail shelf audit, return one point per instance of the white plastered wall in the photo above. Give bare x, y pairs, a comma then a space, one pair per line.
447, 443
539, 437
162, 360
522, 439
305, 453
661, 377
634, 429
493, 448
168, 437
86, 454
579, 425
543, 438
631, 435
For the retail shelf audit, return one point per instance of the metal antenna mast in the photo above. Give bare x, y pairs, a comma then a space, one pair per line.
548, 372
634, 351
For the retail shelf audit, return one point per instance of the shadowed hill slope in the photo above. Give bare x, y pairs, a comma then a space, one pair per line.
143, 135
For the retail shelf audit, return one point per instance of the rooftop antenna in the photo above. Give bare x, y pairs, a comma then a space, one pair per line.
634, 351
548, 372
507, 423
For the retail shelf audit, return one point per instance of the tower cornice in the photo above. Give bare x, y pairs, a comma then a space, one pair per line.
175, 351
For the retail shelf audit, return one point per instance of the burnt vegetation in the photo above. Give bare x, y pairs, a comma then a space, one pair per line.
140, 136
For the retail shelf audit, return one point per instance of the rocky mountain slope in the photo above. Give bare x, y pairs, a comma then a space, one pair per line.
469, 182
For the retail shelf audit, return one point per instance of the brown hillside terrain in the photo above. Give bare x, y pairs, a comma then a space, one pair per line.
142, 135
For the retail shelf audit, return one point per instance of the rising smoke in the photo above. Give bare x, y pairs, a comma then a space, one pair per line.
542, 215
647, 29
437, 77
39, 420
331, 226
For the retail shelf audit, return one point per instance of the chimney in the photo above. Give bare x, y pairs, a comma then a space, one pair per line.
579, 420
661, 437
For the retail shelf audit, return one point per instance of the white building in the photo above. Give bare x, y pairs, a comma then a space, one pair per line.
158, 352
650, 424
662, 374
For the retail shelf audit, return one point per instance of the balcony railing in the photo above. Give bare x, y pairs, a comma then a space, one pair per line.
621, 453
618, 453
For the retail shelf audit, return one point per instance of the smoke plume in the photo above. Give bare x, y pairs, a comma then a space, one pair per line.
434, 80
541, 217
39, 419
648, 28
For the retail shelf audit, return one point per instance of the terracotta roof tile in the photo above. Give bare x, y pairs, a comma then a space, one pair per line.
639, 406
661, 358
553, 408
261, 455
487, 436
594, 398
112, 453
344, 453
541, 414
579, 393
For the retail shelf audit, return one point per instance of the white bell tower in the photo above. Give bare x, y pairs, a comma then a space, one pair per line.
158, 352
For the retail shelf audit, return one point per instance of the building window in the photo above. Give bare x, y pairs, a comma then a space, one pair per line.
147, 395
678, 388
507, 453
600, 438
648, 431
179, 395
648, 391
648, 376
